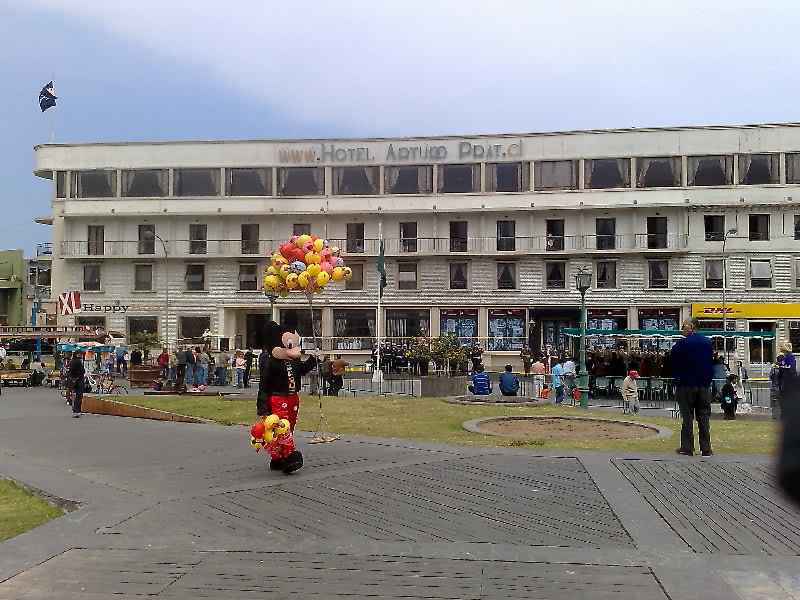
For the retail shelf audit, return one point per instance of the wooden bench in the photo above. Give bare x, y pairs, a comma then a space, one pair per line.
53, 379
15, 376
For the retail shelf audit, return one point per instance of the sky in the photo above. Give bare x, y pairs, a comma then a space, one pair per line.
144, 70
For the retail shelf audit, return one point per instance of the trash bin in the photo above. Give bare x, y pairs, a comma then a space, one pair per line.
368, 366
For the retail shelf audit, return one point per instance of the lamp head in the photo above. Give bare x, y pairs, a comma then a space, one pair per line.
583, 281
733, 231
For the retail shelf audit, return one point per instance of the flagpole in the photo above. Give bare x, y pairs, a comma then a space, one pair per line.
378, 371
53, 119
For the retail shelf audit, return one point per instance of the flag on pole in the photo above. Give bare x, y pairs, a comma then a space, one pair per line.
382, 268
47, 97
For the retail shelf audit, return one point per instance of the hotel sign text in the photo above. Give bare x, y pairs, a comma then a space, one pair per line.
393, 153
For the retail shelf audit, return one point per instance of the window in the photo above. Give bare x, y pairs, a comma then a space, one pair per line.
715, 275
94, 184
301, 229
139, 325
507, 177
304, 324
249, 238
658, 271
91, 322
759, 228
144, 183
797, 227
555, 234
605, 173
719, 344
405, 323
797, 273
462, 322
555, 275
506, 328
195, 278
197, 182
409, 180
356, 282
355, 181
506, 236
758, 169
555, 175
606, 275
663, 171
248, 277
355, 237
458, 275
61, 184
407, 276
248, 182
198, 236
355, 328
710, 170
91, 278
143, 278
656, 232
96, 236
506, 276
756, 344
760, 273
147, 239
459, 179
458, 236
193, 328
793, 168
301, 181
715, 227
408, 237
606, 229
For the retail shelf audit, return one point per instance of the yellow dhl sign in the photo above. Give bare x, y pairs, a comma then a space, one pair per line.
747, 311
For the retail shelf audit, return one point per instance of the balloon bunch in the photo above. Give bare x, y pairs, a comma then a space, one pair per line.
306, 263
268, 431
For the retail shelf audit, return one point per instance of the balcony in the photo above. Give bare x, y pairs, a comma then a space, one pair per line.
493, 246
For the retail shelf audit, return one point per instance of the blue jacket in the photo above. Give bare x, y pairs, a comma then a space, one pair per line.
480, 384
691, 360
509, 382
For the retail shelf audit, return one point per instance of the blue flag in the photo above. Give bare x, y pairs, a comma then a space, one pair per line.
47, 97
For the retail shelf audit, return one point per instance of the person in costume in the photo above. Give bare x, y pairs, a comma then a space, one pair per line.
279, 388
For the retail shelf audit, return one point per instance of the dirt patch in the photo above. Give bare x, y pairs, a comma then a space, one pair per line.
574, 429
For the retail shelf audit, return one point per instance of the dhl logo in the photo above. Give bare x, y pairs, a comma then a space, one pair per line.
710, 310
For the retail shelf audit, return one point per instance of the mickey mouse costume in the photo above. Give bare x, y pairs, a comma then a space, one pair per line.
279, 387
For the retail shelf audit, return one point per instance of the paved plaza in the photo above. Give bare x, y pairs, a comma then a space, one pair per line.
190, 511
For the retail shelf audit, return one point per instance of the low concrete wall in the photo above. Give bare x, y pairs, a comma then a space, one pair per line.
103, 406
436, 387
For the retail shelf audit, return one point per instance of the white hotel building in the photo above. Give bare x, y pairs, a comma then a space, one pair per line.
484, 234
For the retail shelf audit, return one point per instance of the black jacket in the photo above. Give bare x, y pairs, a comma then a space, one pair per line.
789, 458
276, 381
76, 369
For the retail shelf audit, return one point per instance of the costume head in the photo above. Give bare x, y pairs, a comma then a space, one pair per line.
282, 340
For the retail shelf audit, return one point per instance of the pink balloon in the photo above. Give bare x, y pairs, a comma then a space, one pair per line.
326, 255
327, 267
308, 246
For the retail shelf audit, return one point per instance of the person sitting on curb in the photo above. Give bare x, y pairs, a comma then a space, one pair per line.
509, 384
630, 394
481, 384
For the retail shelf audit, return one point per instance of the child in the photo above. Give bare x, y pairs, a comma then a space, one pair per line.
728, 397
630, 394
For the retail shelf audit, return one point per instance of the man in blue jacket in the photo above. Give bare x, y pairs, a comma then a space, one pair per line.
692, 373
481, 384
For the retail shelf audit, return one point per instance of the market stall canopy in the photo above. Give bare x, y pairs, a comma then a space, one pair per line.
93, 346
665, 333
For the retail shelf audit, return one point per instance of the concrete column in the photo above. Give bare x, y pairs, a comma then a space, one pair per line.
435, 322
782, 167
684, 171
581, 173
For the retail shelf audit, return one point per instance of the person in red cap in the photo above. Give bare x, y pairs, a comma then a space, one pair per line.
630, 393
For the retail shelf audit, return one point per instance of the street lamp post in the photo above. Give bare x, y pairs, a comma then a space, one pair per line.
732, 231
583, 281
155, 236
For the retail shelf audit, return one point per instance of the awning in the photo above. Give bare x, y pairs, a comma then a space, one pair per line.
93, 346
665, 334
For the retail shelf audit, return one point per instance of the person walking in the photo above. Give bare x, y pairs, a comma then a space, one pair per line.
557, 374
77, 373
248, 364
692, 373
509, 384
630, 394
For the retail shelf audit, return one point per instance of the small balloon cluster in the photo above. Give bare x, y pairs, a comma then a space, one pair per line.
267, 431
306, 263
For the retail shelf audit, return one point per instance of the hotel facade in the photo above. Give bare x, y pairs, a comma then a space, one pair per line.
483, 234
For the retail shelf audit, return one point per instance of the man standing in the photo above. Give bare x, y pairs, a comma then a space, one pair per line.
180, 369
122, 366
558, 381
692, 372
537, 368
527, 359
77, 373
136, 358
337, 375
248, 364
569, 376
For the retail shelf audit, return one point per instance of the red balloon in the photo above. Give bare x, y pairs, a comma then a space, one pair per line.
293, 239
257, 431
286, 250
298, 254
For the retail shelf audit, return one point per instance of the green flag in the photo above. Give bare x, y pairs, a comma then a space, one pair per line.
382, 269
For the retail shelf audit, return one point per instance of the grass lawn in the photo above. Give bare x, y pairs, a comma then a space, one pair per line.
432, 420
20, 511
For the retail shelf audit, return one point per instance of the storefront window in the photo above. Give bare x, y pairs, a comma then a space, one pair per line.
613, 319
719, 344
402, 324
193, 328
354, 329
463, 323
762, 350
657, 319
506, 329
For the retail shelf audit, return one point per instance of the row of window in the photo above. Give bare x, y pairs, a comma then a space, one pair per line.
605, 235
761, 275
604, 173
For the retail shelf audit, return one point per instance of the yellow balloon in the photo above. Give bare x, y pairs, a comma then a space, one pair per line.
337, 273
284, 271
272, 281
283, 293
322, 278
312, 258
303, 279
318, 245
269, 436
291, 281
347, 273
272, 270
335, 250
302, 239
282, 427
278, 261
313, 270
271, 420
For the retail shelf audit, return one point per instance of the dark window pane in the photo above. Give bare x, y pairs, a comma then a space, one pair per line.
659, 274
606, 229
301, 229
407, 276
402, 323
193, 328
556, 175
147, 239
408, 237
797, 227
506, 236
137, 325
140, 184
714, 227
759, 227
249, 238
61, 184
355, 237
91, 277
198, 234
458, 276
555, 275
607, 173
710, 170
458, 236
714, 274
555, 234
356, 281
195, 277
607, 275
457, 179
357, 181
656, 232
506, 276
94, 184
508, 177
409, 180
300, 181
758, 169
248, 277
658, 172
96, 236
248, 182
197, 182
143, 279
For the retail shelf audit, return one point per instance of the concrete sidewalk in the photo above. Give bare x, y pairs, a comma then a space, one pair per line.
190, 511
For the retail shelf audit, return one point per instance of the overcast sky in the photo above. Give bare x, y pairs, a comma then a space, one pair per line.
130, 70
